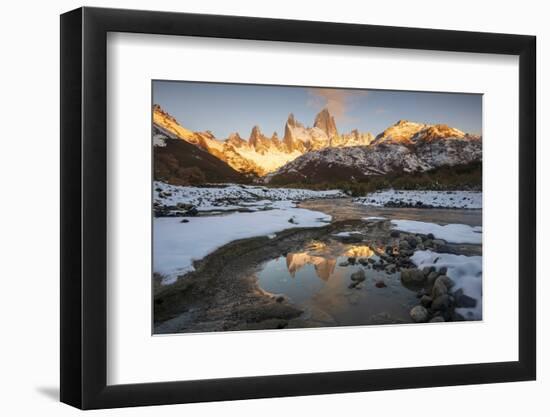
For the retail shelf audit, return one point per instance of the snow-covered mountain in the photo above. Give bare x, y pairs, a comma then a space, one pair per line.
403, 147
261, 154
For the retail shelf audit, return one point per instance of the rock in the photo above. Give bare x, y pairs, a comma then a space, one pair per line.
443, 270
184, 221
437, 319
344, 263
380, 284
363, 261
358, 276
421, 293
412, 276
446, 280
440, 303
351, 260
419, 314
353, 284
432, 276
394, 233
463, 300
439, 289
411, 240
358, 286
430, 236
371, 260
280, 298
427, 269
426, 301
390, 267
404, 245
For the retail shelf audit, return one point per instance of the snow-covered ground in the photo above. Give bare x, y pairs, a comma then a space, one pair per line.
176, 245
452, 233
346, 234
233, 196
440, 199
465, 271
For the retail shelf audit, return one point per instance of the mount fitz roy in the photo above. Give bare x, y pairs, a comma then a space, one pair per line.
318, 153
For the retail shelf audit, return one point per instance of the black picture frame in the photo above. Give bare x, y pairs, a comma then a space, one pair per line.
84, 207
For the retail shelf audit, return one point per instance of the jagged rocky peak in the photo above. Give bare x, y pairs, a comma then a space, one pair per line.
292, 122
159, 113
168, 123
207, 134
325, 121
256, 136
259, 141
235, 139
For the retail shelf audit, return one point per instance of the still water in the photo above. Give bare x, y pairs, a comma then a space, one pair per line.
318, 277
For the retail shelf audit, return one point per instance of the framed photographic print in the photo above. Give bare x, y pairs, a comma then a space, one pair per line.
257, 207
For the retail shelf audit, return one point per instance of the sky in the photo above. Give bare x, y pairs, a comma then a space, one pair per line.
226, 108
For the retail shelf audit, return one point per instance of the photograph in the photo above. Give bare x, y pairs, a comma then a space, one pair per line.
291, 207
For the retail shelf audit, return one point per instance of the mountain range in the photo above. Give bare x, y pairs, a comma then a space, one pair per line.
310, 154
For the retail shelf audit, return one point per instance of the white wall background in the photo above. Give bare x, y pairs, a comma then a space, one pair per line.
29, 116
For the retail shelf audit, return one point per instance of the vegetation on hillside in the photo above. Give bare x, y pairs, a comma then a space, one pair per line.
461, 177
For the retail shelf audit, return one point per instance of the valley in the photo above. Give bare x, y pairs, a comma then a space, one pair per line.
251, 257
314, 225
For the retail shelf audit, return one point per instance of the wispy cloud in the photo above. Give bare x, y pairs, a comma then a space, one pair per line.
338, 101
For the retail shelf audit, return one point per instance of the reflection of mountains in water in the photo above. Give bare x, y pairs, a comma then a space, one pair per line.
326, 263
324, 267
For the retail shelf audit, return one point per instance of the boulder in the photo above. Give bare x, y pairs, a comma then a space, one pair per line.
412, 276
446, 280
437, 319
439, 289
358, 276
441, 303
463, 300
419, 314
427, 269
404, 245
426, 301
432, 276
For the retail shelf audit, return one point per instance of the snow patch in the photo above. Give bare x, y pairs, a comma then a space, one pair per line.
439, 199
465, 271
176, 245
234, 196
346, 234
452, 233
